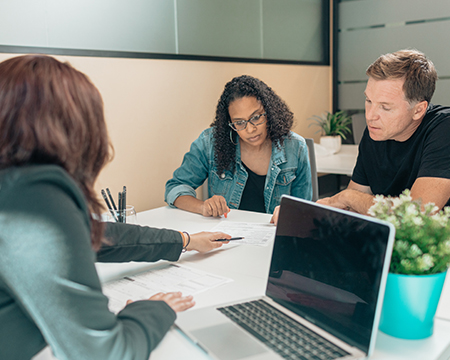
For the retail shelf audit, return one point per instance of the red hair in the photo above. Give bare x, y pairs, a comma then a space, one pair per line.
50, 113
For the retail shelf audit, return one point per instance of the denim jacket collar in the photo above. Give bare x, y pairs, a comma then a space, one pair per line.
278, 154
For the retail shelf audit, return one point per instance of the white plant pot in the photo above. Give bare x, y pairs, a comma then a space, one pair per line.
332, 143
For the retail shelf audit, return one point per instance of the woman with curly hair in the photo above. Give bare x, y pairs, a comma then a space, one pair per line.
53, 144
249, 155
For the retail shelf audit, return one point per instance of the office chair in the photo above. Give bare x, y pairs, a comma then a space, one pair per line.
205, 190
358, 126
312, 161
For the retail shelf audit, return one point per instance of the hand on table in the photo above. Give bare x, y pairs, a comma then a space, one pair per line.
274, 218
175, 300
215, 206
204, 241
335, 201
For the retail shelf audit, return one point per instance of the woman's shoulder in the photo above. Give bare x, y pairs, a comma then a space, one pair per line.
207, 134
205, 140
43, 199
36, 179
31, 174
294, 139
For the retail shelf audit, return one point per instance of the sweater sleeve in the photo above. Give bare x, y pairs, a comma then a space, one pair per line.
127, 242
47, 270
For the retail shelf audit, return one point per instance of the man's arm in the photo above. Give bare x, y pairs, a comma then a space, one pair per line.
431, 189
357, 198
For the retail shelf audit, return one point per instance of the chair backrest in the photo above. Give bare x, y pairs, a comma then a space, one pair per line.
312, 161
358, 126
205, 190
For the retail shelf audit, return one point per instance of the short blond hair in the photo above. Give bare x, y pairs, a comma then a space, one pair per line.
412, 65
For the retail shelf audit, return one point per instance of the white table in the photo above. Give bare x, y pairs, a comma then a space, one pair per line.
248, 266
341, 163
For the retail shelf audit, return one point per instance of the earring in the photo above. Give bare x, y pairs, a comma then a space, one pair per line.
231, 137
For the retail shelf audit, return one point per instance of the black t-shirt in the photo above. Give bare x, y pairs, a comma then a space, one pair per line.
389, 167
253, 195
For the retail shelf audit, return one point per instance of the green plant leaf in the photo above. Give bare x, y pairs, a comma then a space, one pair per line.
422, 237
333, 124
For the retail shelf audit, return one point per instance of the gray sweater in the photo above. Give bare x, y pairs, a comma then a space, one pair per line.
50, 292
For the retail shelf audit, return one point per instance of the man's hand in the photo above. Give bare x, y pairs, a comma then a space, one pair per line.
337, 201
356, 198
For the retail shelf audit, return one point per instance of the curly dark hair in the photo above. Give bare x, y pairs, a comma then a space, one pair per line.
279, 118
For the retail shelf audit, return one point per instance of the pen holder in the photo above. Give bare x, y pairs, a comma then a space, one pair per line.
127, 215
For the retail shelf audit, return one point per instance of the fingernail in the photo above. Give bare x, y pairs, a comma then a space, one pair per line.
226, 215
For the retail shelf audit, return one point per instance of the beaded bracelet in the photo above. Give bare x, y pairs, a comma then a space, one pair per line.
187, 243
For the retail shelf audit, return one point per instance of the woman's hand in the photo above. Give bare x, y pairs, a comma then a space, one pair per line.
274, 218
215, 206
205, 241
175, 300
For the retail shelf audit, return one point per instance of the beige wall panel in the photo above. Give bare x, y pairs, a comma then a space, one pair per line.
156, 108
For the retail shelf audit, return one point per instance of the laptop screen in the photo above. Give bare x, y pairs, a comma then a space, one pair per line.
327, 267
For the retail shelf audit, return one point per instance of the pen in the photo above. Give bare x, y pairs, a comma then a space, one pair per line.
111, 198
120, 207
235, 238
124, 203
108, 205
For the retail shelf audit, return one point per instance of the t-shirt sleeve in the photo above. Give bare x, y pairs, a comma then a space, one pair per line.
47, 267
359, 175
436, 155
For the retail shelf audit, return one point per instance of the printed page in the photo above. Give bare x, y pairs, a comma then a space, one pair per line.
165, 278
253, 233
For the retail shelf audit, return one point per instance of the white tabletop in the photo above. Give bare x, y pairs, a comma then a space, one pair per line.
341, 163
248, 266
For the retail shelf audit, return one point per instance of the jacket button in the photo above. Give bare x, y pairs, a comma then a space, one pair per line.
222, 176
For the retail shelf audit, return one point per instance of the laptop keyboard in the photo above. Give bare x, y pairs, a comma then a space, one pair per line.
283, 335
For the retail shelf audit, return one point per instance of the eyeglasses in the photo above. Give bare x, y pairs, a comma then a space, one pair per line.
242, 124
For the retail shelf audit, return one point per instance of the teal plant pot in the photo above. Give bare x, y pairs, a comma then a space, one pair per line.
410, 303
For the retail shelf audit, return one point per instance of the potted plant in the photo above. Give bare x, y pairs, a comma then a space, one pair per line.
333, 127
419, 263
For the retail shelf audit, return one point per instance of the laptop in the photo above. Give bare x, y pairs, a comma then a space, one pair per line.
324, 291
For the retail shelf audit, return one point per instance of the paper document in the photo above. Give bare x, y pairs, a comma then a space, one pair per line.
164, 278
253, 233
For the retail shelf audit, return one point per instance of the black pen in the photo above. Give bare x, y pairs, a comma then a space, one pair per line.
120, 207
124, 203
108, 205
111, 198
235, 238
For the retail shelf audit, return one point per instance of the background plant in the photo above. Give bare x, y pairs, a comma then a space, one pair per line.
333, 124
422, 236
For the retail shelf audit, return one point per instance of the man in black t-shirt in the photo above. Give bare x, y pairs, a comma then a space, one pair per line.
405, 143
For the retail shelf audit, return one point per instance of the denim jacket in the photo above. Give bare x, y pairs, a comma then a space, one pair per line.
289, 173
